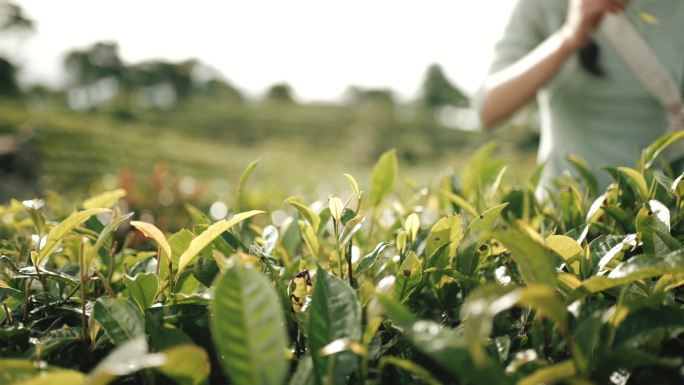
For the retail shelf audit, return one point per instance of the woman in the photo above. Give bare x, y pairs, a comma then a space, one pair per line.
591, 104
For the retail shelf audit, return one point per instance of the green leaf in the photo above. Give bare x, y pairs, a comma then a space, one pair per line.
308, 214
636, 268
198, 217
351, 228
248, 328
15, 371
636, 180
119, 319
487, 301
179, 242
534, 262
208, 235
445, 346
57, 233
383, 177
60, 376
585, 172
304, 375
243, 182
309, 236
151, 231
143, 289
480, 170
186, 365
410, 367
641, 325
367, 262
105, 200
408, 277
446, 231
486, 220
550, 374
30, 271
128, 358
106, 231
334, 313
653, 226
657, 147
460, 202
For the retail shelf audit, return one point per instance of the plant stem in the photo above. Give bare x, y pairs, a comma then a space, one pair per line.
26, 300
84, 299
349, 263
339, 251
8, 313
43, 283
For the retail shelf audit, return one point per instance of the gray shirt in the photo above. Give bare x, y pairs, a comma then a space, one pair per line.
605, 120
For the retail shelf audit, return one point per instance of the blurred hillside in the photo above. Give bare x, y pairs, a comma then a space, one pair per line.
157, 123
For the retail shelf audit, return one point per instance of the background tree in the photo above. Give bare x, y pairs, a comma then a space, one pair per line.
100, 61
14, 25
438, 90
280, 93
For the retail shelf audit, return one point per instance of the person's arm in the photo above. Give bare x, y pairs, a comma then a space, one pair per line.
507, 90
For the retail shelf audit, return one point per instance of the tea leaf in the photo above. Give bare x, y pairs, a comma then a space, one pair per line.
208, 235
367, 262
151, 231
119, 319
305, 211
408, 277
105, 200
57, 233
142, 288
446, 231
383, 176
186, 364
334, 313
353, 185
243, 182
533, 260
248, 328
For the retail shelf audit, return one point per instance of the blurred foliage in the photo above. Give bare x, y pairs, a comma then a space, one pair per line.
478, 282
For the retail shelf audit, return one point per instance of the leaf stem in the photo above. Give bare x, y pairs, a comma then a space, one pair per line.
84, 298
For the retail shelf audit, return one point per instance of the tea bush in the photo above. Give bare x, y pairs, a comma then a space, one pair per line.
470, 281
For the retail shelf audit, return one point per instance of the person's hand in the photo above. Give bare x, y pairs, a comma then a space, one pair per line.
584, 17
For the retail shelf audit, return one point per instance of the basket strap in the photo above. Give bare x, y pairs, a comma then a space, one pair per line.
645, 65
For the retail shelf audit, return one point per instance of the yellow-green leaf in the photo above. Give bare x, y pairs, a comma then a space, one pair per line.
243, 182
412, 226
53, 377
106, 199
635, 179
408, 277
568, 249
57, 233
550, 374
353, 185
186, 364
446, 230
534, 261
383, 176
151, 231
336, 206
462, 203
305, 211
208, 235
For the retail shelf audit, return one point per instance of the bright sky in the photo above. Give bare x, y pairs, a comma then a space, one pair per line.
319, 47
